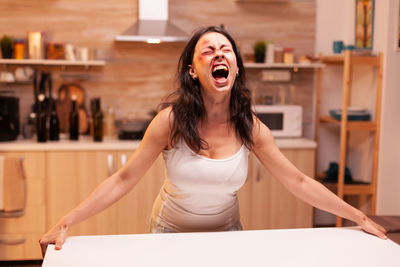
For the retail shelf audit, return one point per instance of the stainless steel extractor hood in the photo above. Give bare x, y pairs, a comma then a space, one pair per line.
153, 25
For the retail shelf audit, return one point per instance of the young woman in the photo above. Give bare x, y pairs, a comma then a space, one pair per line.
205, 135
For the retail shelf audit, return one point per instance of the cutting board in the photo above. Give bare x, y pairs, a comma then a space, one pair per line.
64, 107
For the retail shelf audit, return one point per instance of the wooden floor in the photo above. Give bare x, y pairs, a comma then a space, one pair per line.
21, 263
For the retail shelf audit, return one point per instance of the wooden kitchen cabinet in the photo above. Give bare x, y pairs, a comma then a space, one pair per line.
72, 176
19, 235
134, 209
59, 180
266, 204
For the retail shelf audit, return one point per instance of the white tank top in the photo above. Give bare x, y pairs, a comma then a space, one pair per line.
199, 193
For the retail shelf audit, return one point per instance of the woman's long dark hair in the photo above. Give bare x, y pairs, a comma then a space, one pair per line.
188, 108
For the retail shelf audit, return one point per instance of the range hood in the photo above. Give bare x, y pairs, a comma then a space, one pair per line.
153, 25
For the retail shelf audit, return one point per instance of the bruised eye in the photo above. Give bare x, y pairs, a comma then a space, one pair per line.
208, 51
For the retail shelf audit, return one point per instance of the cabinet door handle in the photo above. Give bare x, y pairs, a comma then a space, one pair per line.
258, 177
124, 159
17, 241
17, 213
110, 164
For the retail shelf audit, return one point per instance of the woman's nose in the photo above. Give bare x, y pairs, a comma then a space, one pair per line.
219, 54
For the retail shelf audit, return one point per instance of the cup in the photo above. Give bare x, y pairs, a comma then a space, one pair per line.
69, 52
82, 53
338, 47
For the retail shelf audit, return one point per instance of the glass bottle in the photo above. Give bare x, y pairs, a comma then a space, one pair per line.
41, 118
97, 121
110, 121
74, 121
54, 127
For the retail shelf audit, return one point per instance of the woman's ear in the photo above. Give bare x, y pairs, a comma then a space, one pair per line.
192, 72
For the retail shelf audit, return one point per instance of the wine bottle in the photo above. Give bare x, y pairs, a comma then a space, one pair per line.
74, 121
97, 121
41, 118
54, 127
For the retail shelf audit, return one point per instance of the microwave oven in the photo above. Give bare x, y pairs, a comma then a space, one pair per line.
282, 120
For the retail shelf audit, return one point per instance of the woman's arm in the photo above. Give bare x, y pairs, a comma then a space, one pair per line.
304, 187
118, 184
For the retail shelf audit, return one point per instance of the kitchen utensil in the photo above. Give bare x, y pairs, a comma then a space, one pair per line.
131, 129
9, 116
64, 105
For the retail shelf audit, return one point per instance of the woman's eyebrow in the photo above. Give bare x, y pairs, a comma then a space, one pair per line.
213, 47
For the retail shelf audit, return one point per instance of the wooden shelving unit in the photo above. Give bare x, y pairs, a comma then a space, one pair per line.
364, 190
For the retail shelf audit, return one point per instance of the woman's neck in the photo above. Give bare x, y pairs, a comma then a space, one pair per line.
217, 107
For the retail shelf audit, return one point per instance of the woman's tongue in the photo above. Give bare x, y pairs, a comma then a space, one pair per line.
219, 79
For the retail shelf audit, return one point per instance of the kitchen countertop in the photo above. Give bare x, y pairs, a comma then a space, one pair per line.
87, 144
284, 247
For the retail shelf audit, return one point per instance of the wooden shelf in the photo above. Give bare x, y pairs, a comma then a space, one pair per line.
352, 189
349, 189
351, 125
355, 60
252, 65
52, 62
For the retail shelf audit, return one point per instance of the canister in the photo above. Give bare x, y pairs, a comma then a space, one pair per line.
19, 48
288, 55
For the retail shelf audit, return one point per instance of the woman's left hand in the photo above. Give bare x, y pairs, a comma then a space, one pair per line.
372, 227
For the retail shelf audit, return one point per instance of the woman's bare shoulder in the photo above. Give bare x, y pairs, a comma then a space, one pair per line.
165, 117
261, 133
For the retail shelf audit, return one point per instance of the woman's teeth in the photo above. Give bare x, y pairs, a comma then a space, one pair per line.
220, 67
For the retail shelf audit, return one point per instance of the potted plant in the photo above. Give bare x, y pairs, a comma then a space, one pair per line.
259, 51
6, 44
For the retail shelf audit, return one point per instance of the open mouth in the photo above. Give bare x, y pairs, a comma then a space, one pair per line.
220, 72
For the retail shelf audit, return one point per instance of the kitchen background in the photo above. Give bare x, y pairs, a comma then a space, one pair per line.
137, 76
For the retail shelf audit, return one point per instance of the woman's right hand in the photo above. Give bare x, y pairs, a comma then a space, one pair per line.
55, 235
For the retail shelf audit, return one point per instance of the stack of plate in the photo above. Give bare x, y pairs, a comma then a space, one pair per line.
353, 114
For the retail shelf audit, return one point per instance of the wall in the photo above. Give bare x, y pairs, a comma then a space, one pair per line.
388, 201
137, 76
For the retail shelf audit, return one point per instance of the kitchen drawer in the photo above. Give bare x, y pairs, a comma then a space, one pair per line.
27, 250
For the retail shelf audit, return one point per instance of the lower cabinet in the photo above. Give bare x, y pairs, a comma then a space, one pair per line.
72, 176
134, 209
59, 180
265, 204
19, 236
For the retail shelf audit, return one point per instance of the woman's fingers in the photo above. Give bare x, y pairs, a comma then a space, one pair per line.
372, 227
55, 236
60, 240
43, 246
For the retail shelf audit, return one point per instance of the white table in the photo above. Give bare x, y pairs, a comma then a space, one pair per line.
294, 247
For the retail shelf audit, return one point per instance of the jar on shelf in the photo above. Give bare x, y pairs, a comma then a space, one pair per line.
288, 55
278, 55
19, 48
